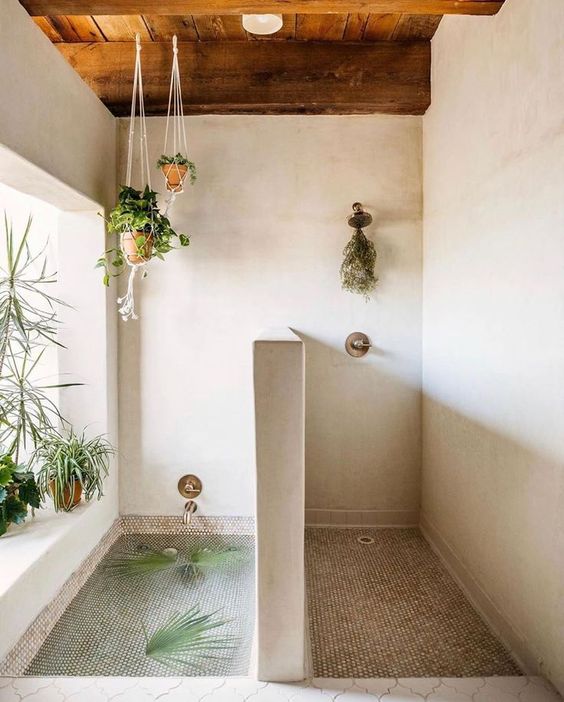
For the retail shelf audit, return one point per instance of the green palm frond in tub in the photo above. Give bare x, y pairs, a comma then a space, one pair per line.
185, 640
203, 559
126, 565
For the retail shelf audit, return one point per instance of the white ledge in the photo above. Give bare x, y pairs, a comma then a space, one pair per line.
278, 334
24, 544
37, 557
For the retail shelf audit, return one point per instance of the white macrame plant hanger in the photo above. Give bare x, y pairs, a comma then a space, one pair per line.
127, 302
175, 115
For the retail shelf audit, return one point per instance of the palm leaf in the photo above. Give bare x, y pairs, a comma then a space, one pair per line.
127, 565
203, 559
185, 640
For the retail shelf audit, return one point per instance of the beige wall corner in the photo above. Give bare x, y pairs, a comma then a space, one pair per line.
493, 339
279, 385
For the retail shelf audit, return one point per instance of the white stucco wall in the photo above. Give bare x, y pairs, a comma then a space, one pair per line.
493, 342
58, 143
47, 113
268, 223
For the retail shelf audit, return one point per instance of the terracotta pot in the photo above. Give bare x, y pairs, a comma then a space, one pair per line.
64, 501
130, 247
174, 175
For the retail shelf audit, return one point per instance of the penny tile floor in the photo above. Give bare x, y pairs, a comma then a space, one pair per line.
388, 608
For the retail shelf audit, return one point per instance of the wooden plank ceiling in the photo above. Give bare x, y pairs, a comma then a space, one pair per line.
300, 27
321, 61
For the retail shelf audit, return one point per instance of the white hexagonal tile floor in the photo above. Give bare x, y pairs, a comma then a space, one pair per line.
498, 689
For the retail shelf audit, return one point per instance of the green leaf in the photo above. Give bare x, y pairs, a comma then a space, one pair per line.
185, 640
204, 559
107, 280
5, 475
16, 510
144, 563
29, 492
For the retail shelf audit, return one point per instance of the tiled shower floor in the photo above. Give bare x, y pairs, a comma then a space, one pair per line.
101, 631
389, 609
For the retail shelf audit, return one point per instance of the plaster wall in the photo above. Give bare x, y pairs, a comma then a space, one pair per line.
58, 143
493, 301
267, 217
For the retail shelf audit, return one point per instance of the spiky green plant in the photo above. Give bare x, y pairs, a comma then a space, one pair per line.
198, 561
185, 641
64, 460
203, 559
357, 269
28, 324
127, 565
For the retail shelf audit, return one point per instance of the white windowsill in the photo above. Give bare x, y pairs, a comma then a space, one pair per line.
23, 545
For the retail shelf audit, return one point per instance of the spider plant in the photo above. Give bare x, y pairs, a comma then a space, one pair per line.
28, 324
70, 465
185, 640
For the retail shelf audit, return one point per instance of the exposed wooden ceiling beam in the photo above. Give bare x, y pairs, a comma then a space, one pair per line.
238, 7
263, 77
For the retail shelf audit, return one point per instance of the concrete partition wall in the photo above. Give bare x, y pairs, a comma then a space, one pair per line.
279, 385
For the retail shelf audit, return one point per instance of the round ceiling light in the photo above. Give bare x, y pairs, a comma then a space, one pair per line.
262, 24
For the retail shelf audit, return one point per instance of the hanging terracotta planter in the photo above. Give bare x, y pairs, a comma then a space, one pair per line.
66, 501
174, 176
137, 254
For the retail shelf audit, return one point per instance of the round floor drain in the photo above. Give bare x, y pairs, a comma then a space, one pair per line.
365, 540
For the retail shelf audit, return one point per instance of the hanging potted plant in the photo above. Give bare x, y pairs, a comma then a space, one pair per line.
175, 169
70, 466
145, 232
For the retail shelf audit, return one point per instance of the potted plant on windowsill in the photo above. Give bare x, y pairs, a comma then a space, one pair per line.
18, 492
70, 466
174, 169
145, 232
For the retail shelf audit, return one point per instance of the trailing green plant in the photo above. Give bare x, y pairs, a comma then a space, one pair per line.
18, 492
65, 460
196, 562
138, 211
179, 160
357, 269
186, 641
28, 325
